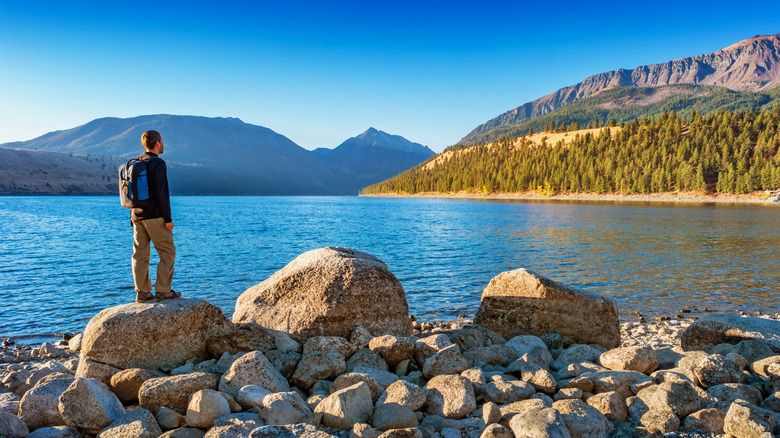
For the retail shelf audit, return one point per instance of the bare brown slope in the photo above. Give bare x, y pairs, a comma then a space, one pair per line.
749, 65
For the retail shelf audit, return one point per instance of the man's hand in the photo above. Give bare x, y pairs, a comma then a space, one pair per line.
169, 225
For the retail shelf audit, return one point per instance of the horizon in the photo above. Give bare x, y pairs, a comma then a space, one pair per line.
320, 74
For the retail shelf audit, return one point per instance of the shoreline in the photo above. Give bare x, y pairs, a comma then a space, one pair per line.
760, 198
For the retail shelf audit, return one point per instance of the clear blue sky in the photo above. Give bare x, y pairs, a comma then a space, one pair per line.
321, 72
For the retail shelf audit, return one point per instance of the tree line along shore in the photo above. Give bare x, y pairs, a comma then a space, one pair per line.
722, 153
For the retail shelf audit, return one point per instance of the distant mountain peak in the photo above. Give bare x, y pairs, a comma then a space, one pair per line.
749, 65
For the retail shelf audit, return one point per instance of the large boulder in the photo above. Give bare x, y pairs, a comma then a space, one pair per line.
522, 302
712, 330
89, 406
328, 292
345, 407
40, 405
150, 335
12, 427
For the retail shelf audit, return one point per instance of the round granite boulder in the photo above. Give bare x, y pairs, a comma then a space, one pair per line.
328, 292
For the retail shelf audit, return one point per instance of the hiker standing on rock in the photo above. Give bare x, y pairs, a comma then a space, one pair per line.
151, 218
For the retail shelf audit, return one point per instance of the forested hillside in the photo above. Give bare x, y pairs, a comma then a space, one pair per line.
728, 152
623, 104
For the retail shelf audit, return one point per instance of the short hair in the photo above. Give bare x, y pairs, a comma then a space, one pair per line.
150, 138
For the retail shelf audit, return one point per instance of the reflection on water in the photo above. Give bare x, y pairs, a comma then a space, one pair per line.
66, 258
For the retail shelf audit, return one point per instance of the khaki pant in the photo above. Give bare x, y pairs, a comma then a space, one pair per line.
152, 230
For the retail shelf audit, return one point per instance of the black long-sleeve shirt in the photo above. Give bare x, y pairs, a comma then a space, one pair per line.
158, 186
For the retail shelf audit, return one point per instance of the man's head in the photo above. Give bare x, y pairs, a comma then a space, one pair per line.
152, 140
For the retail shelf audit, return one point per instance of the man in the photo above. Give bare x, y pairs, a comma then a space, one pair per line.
153, 223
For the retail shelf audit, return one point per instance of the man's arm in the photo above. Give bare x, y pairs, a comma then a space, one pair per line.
163, 197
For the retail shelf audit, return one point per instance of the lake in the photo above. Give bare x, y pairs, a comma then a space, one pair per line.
63, 259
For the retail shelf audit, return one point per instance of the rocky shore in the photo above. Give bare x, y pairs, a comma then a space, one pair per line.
315, 351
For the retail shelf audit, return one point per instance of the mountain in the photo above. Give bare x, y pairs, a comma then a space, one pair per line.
623, 104
24, 172
752, 65
373, 156
217, 156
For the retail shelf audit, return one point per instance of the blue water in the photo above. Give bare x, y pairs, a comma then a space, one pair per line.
63, 259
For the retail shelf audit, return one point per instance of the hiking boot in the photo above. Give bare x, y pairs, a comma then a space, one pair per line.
167, 295
142, 297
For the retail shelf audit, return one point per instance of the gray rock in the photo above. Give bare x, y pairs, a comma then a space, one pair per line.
529, 344
139, 423
289, 431
450, 396
173, 392
577, 353
716, 369
503, 392
499, 355
242, 338
393, 416
252, 368
89, 406
293, 398
620, 381
383, 378
729, 392
234, 426
329, 343
541, 379
184, 432
539, 422
568, 394
611, 404
745, 420
180, 329
40, 405
310, 297
251, 396
761, 366
468, 339
639, 358
349, 379
522, 302
679, 397
12, 426
404, 393
316, 366
360, 337
710, 420
9, 402
280, 412
430, 345
346, 407
284, 361
363, 430
491, 413
169, 419
393, 349
496, 431
366, 359
712, 330
772, 402
204, 407
126, 383
583, 420
660, 421
75, 342
449, 360
55, 432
